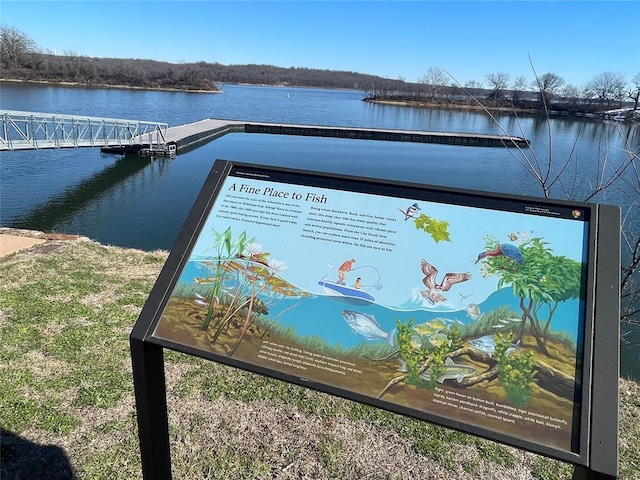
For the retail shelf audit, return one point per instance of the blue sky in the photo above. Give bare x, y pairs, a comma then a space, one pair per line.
574, 39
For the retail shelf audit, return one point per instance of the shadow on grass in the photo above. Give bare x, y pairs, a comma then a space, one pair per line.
22, 459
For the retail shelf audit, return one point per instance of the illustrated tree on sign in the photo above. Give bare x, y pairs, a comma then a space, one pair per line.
542, 282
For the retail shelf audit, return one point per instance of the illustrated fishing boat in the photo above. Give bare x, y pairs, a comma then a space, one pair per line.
357, 294
337, 289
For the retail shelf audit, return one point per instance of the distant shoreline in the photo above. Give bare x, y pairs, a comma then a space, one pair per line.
501, 109
104, 85
452, 106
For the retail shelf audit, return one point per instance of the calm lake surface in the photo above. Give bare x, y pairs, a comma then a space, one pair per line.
135, 202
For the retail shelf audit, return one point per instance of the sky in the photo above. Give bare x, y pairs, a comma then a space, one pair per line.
576, 40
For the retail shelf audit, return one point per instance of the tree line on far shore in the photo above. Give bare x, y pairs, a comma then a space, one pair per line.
547, 93
22, 59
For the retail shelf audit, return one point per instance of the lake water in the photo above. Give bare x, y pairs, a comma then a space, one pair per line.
135, 202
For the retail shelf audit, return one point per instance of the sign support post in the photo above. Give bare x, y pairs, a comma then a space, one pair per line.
584, 473
151, 406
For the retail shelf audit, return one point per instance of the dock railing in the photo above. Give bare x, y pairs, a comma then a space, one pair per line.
32, 130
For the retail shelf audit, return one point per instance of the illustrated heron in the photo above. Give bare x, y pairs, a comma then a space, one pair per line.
506, 250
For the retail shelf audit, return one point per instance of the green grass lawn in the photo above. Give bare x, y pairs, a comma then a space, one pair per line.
67, 406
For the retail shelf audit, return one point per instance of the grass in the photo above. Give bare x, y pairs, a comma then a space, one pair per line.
67, 407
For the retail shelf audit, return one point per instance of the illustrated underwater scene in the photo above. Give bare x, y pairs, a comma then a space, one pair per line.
486, 330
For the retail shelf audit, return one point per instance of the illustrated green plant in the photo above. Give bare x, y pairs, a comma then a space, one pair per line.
455, 336
542, 279
226, 249
411, 353
437, 366
424, 363
438, 229
517, 373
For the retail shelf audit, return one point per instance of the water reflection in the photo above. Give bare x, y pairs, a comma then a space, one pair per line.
49, 215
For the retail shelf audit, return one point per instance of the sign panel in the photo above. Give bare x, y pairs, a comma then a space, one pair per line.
458, 307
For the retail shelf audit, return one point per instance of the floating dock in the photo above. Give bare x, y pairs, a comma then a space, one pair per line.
189, 136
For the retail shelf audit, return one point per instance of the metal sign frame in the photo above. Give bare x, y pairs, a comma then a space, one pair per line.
590, 443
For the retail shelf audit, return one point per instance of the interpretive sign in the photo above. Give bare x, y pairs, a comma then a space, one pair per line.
471, 310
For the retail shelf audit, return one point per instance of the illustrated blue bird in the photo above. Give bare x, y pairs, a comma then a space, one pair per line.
411, 211
507, 250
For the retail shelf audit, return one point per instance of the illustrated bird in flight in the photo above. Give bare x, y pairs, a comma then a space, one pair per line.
434, 289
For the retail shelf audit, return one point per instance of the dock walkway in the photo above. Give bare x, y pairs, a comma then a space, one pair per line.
192, 135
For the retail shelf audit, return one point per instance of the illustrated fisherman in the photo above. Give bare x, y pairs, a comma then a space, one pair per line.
344, 268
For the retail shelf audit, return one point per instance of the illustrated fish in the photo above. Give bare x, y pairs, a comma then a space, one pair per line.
452, 371
403, 368
473, 311
411, 211
434, 296
423, 329
416, 341
204, 281
437, 324
487, 344
438, 339
367, 326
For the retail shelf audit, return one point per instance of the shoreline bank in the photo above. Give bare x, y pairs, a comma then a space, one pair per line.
631, 115
104, 85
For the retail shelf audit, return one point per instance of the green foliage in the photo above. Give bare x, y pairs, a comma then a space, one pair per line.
225, 250
542, 279
438, 229
494, 452
437, 366
330, 448
455, 336
411, 351
548, 469
517, 373
417, 353
542, 276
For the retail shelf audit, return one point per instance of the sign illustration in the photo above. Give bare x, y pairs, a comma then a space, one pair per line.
460, 308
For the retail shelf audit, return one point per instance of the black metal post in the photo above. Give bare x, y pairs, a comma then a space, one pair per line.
584, 473
151, 405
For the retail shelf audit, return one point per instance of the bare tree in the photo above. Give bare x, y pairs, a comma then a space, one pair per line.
498, 83
473, 84
519, 85
560, 177
547, 85
607, 87
570, 93
435, 80
15, 47
634, 90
